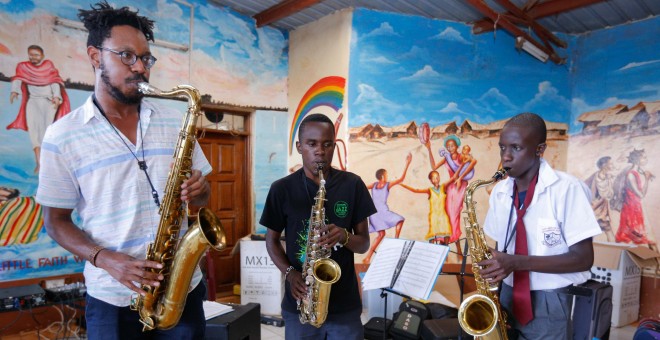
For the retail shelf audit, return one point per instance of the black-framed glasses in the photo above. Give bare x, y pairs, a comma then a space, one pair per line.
129, 58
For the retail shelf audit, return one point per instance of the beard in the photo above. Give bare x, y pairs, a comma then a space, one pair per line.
116, 93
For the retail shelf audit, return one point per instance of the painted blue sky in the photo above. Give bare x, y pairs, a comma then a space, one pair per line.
411, 68
229, 38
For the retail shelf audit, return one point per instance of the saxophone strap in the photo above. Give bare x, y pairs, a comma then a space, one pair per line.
142, 164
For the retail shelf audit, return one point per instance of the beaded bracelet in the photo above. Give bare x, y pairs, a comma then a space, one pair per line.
92, 255
347, 237
288, 270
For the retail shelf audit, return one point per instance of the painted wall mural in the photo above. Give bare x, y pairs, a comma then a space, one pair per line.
44, 73
426, 107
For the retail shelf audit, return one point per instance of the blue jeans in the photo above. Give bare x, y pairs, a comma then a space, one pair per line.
339, 326
106, 321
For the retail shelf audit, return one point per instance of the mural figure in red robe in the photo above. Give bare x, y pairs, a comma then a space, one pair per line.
632, 227
43, 97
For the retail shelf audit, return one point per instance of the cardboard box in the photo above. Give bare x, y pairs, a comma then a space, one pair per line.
261, 281
621, 266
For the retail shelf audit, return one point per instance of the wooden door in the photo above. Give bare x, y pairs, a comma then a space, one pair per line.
228, 155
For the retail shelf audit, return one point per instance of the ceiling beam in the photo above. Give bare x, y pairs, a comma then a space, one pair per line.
541, 31
538, 11
282, 10
503, 22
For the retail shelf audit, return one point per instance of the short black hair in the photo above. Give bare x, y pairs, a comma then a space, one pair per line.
314, 117
531, 121
379, 173
36, 47
100, 20
635, 156
602, 161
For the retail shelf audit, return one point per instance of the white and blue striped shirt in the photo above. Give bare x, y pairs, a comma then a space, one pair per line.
87, 167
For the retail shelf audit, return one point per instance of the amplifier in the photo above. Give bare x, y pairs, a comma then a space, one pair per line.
22, 297
66, 292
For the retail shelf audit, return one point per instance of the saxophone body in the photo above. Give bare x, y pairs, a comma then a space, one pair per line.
161, 308
319, 271
480, 315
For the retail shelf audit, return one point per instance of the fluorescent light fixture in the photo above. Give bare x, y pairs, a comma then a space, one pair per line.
522, 43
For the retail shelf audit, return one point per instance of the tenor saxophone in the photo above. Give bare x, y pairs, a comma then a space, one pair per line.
319, 271
480, 315
162, 306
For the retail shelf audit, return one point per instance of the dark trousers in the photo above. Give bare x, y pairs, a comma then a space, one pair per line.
552, 315
338, 326
106, 321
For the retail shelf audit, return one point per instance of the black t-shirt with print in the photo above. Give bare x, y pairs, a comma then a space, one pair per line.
288, 208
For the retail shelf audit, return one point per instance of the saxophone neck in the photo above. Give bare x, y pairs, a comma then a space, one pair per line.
187, 91
473, 186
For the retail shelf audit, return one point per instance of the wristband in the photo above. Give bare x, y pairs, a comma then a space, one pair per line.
92, 255
347, 237
288, 270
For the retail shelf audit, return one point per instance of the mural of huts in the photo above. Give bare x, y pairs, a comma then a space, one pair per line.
556, 131
404, 130
637, 120
367, 132
442, 130
475, 129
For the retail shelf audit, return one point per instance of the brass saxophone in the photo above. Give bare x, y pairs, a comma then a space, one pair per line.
480, 315
161, 308
319, 271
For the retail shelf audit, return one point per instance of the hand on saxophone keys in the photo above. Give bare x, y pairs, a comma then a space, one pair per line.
130, 271
195, 189
333, 236
498, 267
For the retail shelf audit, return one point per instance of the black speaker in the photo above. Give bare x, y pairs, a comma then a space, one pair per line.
243, 323
592, 312
443, 329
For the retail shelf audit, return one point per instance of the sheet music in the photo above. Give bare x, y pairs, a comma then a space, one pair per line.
213, 309
382, 267
419, 270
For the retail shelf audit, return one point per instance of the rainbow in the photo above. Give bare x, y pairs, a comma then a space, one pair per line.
328, 91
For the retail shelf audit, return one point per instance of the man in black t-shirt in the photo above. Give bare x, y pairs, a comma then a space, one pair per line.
288, 208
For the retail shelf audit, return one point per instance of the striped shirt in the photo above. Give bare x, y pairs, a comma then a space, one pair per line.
86, 166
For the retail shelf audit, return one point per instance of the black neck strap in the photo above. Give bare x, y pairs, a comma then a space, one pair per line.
142, 164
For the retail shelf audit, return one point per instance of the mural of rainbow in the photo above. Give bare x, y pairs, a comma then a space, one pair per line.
328, 91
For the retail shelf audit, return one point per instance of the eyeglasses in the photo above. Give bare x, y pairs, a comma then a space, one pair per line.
130, 58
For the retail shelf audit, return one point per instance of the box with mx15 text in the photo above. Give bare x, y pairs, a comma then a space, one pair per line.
621, 266
261, 281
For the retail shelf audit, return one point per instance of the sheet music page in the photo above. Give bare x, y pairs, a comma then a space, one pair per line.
213, 309
421, 270
381, 269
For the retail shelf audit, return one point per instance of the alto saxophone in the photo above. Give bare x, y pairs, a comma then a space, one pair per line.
319, 271
161, 308
480, 315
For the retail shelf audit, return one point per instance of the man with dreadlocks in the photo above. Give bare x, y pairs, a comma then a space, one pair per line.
109, 159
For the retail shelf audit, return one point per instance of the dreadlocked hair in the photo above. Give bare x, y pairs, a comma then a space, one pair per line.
102, 17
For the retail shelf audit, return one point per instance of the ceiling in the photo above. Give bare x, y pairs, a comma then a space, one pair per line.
518, 17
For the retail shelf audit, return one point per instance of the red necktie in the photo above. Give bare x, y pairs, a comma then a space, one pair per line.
522, 298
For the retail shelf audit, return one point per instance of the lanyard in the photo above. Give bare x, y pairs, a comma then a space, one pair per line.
141, 164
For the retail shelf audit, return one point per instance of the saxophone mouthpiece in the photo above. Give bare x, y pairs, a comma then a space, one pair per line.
147, 88
501, 173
